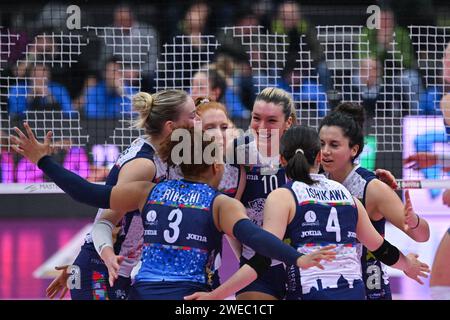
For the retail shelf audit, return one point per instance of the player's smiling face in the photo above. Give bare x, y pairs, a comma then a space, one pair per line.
268, 120
336, 152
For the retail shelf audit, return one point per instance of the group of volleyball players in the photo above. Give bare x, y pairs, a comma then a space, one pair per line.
182, 217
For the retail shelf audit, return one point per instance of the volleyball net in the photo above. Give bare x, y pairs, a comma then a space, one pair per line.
78, 81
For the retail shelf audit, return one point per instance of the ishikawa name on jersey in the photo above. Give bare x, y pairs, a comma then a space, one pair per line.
181, 242
326, 214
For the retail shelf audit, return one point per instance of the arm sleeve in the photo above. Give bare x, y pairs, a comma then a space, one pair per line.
92, 194
102, 235
264, 242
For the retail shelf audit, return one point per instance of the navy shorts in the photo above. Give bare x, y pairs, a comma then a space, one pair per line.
272, 282
356, 293
93, 279
379, 294
164, 290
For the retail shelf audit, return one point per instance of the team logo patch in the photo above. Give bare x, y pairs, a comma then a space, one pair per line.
310, 216
151, 216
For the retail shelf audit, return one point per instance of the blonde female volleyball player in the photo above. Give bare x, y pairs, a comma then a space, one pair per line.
159, 113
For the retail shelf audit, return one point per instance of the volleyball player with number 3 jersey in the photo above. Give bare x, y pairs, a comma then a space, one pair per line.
159, 114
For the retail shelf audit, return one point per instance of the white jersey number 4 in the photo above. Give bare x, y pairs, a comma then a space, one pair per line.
333, 224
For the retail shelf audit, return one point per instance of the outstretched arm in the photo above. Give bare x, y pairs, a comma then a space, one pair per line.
386, 252
126, 197
233, 221
264, 243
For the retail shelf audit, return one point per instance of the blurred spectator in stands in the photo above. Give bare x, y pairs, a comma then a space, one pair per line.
39, 93
290, 21
366, 85
60, 50
188, 50
12, 43
430, 99
214, 83
231, 48
393, 57
195, 21
41, 50
107, 98
262, 9
133, 42
305, 90
53, 15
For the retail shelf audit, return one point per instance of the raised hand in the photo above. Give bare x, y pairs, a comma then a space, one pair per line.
387, 177
313, 259
28, 146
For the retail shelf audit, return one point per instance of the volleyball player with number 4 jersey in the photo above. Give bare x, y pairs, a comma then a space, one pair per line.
273, 113
314, 212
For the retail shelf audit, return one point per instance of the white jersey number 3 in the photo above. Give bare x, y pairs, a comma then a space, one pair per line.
333, 224
175, 217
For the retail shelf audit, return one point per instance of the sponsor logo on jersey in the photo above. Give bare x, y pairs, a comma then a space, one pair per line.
151, 218
150, 232
310, 219
351, 234
196, 237
311, 233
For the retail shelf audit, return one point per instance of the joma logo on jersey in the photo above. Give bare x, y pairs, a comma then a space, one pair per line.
311, 233
351, 234
150, 232
196, 237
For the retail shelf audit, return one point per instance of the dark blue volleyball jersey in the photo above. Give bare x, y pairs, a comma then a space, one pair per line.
325, 214
181, 242
263, 175
129, 237
375, 274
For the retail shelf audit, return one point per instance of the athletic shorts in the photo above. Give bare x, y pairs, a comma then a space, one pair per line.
355, 293
93, 281
164, 290
272, 282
